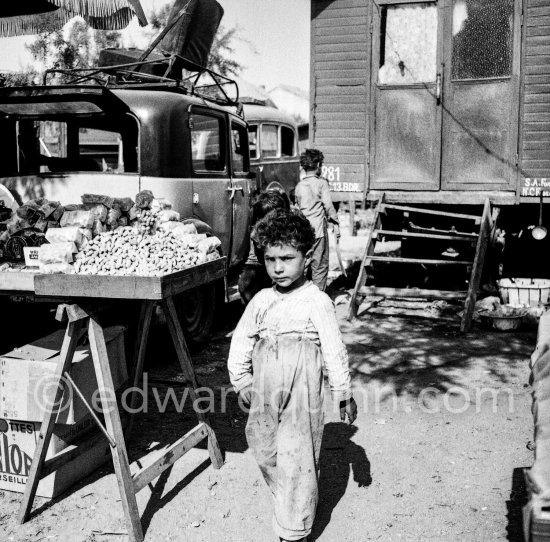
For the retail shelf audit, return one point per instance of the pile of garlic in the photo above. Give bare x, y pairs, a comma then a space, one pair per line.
129, 251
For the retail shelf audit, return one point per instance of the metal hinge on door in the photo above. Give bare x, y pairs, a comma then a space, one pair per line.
234, 189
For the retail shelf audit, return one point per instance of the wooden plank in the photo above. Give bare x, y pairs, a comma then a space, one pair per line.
164, 458
353, 36
369, 250
416, 260
543, 116
72, 334
342, 99
342, 88
321, 25
129, 287
321, 6
339, 46
336, 16
446, 197
114, 427
179, 282
413, 292
477, 268
539, 11
538, 21
357, 143
442, 237
353, 135
22, 281
431, 212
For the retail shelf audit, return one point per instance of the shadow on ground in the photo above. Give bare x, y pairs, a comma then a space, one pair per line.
340, 457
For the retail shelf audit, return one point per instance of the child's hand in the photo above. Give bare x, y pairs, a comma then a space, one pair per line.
246, 395
348, 408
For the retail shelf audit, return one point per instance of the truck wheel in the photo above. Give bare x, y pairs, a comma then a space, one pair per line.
196, 310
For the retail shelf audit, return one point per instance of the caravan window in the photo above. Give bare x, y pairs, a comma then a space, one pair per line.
482, 39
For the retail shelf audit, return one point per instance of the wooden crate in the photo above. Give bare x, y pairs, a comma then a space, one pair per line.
129, 287
524, 291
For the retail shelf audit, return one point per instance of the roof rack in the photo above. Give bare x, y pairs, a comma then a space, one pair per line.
155, 73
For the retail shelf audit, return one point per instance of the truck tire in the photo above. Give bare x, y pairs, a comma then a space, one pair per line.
197, 307
196, 311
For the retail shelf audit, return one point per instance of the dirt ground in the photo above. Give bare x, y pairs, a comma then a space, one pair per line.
437, 451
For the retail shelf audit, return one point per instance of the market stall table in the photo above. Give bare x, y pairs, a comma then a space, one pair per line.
84, 298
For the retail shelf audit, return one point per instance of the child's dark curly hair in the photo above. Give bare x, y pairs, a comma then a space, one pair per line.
310, 159
268, 201
282, 227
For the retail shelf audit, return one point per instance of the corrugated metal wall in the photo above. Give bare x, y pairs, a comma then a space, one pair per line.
340, 52
536, 90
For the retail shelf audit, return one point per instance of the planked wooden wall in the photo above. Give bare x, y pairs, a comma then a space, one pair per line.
340, 80
535, 137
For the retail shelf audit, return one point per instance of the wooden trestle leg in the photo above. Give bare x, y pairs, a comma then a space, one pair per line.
72, 335
187, 368
114, 428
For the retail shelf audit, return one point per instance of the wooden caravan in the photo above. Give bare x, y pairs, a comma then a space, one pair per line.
444, 101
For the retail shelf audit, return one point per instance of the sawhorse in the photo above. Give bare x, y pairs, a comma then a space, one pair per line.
79, 318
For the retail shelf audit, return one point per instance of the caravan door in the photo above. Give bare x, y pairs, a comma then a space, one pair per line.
405, 130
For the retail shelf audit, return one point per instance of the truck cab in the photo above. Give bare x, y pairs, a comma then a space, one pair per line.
273, 142
60, 142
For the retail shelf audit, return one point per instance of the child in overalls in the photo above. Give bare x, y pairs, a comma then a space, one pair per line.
285, 336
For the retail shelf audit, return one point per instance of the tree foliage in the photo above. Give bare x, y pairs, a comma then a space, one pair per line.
77, 46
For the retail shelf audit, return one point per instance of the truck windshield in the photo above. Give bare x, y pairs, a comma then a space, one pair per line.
60, 144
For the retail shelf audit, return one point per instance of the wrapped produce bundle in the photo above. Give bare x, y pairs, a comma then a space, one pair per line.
167, 215
97, 199
56, 253
71, 234
124, 204
161, 204
144, 199
80, 218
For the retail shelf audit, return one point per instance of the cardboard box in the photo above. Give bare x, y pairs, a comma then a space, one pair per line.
26, 377
18, 440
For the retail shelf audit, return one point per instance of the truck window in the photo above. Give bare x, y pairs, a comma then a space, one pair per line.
206, 147
103, 147
239, 136
270, 141
45, 146
253, 140
287, 141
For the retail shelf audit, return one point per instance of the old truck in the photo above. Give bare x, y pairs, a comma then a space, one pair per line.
183, 142
437, 103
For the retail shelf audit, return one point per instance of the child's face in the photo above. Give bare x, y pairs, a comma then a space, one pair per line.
285, 265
